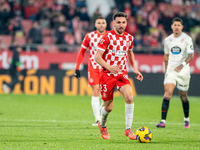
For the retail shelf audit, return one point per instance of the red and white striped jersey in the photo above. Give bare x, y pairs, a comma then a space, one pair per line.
116, 47
90, 41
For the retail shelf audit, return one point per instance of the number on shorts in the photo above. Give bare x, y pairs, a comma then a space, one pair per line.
103, 88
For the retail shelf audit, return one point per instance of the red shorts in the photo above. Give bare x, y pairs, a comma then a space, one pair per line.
108, 84
93, 75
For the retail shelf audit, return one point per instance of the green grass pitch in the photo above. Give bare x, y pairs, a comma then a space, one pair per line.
58, 122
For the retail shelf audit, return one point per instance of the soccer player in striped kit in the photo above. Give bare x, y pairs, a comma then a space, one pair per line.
114, 48
179, 51
90, 42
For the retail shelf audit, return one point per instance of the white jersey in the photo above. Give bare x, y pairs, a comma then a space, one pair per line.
178, 49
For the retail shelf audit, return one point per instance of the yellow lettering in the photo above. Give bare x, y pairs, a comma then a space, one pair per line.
17, 89
66, 84
5, 78
47, 86
133, 87
84, 88
31, 84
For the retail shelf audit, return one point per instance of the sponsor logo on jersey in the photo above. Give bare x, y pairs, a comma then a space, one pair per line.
176, 50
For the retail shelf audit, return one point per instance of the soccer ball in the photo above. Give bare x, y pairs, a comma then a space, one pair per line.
143, 135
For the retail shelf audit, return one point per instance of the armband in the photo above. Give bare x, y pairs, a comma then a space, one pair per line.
183, 63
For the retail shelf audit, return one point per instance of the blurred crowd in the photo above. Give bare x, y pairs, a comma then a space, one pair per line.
36, 24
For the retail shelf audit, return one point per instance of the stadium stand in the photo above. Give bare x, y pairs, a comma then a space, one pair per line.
148, 20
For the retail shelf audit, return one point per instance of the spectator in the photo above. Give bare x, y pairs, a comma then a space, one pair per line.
17, 9
15, 28
70, 41
138, 42
60, 22
132, 27
4, 17
60, 33
109, 19
43, 17
153, 18
143, 26
83, 14
127, 9
35, 35
95, 16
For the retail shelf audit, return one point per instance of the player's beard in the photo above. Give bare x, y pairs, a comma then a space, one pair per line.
120, 31
101, 30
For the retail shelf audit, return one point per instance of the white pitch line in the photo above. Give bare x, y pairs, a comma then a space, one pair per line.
77, 121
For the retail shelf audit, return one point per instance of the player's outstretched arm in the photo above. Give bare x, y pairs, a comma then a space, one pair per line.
131, 59
78, 62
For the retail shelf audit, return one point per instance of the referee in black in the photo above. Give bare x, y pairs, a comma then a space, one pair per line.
14, 70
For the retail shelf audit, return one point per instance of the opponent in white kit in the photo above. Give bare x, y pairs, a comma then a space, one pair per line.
179, 51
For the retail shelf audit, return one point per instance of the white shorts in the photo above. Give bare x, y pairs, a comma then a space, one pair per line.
181, 79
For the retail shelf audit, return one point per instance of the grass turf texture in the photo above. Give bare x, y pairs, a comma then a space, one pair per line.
65, 122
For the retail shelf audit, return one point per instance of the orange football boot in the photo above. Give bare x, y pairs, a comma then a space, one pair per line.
104, 132
130, 134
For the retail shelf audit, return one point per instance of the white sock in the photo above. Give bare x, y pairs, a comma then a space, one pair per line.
95, 107
186, 119
129, 108
104, 117
164, 121
102, 105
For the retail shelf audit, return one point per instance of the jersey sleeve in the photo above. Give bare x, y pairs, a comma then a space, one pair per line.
166, 49
103, 43
131, 45
190, 48
86, 41
80, 57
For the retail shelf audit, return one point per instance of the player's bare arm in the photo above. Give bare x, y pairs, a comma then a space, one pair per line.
188, 59
166, 58
100, 61
131, 60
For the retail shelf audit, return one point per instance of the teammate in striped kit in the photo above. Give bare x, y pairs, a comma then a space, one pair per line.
113, 50
179, 51
90, 42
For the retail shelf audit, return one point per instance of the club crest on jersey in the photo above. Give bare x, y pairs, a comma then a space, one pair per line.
182, 40
176, 50
101, 41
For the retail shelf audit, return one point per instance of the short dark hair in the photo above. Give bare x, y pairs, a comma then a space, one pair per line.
177, 19
100, 17
120, 14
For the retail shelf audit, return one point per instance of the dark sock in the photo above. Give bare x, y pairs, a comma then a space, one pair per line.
165, 106
186, 108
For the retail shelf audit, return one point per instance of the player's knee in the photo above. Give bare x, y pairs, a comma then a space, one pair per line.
96, 91
168, 94
129, 99
108, 108
183, 99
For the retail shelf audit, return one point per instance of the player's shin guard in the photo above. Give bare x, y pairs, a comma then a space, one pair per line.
104, 117
165, 106
95, 107
129, 108
186, 108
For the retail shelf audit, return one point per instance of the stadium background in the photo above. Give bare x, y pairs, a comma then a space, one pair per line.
51, 32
